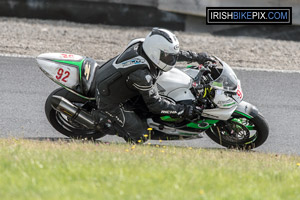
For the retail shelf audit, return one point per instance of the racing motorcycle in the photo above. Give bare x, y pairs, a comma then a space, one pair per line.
213, 87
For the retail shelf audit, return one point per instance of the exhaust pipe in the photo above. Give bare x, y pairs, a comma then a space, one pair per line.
63, 105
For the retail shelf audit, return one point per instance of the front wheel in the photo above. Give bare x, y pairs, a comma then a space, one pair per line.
63, 124
240, 132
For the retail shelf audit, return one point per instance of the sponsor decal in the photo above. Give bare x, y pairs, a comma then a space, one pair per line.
67, 55
134, 61
87, 69
225, 102
217, 84
239, 91
168, 112
249, 15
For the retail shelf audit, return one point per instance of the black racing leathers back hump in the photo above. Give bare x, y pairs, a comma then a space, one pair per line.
111, 78
129, 75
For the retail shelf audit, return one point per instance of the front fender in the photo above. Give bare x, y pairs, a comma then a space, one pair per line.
246, 109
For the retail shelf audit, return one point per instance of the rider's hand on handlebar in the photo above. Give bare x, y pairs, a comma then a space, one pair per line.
192, 112
198, 110
204, 57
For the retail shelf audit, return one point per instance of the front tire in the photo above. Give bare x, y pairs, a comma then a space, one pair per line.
63, 124
257, 134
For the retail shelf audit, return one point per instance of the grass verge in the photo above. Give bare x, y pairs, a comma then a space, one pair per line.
76, 170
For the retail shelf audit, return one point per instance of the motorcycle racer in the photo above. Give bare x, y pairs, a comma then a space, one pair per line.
134, 73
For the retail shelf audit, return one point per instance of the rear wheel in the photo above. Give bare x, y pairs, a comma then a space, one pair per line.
240, 132
63, 124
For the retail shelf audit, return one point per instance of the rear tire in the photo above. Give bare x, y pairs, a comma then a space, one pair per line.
61, 122
262, 131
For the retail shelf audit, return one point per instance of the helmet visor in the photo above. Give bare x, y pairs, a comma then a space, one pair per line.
168, 58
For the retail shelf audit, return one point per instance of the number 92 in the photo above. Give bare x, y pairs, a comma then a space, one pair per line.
60, 73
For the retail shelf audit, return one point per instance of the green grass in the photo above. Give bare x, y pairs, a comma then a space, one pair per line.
82, 170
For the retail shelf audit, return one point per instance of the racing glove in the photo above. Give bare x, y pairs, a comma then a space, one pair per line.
203, 57
191, 112
190, 56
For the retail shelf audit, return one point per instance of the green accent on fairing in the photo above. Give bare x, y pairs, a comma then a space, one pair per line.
248, 116
76, 63
209, 121
189, 66
217, 84
191, 125
230, 104
168, 119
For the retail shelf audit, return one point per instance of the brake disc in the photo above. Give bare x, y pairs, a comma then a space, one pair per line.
234, 132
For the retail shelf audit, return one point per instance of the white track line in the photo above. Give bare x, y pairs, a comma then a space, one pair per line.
266, 70
16, 56
235, 68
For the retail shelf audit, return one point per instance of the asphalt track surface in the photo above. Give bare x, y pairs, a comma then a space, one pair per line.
24, 90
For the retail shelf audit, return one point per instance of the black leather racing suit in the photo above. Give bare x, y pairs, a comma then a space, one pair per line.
126, 76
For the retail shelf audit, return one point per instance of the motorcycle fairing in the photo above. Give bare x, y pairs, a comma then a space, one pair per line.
223, 100
69, 71
243, 108
63, 74
219, 113
246, 109
175, 84
201, 124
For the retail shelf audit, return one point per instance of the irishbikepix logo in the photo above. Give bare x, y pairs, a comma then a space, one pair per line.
253, 15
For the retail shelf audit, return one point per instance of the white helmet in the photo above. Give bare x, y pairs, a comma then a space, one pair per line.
162, 48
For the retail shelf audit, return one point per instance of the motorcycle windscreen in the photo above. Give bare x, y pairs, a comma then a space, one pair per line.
227, 80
